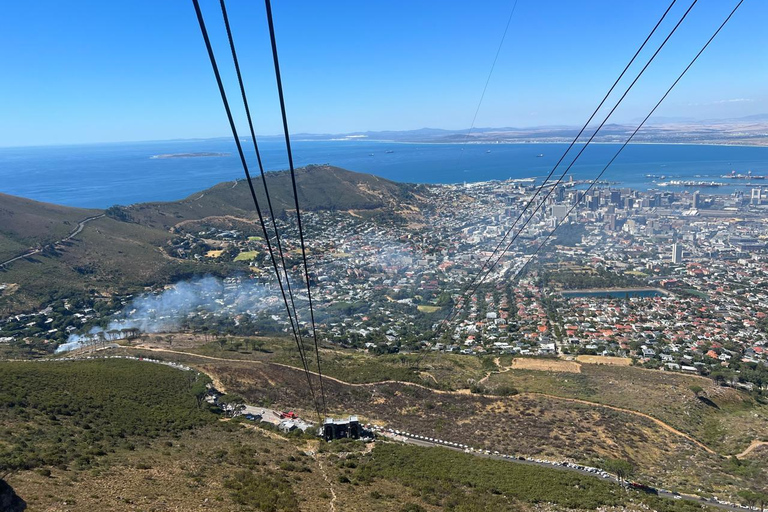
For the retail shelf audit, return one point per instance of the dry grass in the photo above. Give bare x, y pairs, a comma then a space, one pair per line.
613, 361
530, 424
523, 424
173, 475
548, 365
726, 421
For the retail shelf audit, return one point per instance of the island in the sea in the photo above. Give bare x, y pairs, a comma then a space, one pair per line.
189, 155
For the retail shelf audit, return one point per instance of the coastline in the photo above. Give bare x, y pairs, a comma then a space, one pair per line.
532, 142
65, 175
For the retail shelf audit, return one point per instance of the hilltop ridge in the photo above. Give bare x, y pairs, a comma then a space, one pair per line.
25, 223
127, 247
320, 187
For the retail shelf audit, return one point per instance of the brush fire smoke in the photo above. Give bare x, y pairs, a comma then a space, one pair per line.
166, 311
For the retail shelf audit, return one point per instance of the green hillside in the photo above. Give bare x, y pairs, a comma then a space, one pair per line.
127, 435
125, 250
25, 223
321, 187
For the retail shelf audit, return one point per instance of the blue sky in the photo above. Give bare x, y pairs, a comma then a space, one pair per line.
101, 71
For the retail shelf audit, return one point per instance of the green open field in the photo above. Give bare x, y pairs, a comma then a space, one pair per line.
247, 256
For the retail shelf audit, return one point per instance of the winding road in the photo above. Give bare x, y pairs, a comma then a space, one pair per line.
665, 426
409, 438
74, 233
661, 493
755, 444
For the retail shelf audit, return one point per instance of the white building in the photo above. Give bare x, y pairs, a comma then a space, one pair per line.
677, 253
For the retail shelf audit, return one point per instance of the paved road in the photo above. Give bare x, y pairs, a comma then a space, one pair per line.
74, 233
408, 438
663, 494
657, 421
269, 415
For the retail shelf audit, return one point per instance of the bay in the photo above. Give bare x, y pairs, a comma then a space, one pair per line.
101, 175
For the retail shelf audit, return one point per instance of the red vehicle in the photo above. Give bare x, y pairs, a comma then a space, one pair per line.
290, 415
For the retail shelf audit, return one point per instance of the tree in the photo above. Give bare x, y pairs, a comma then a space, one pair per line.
697, 390
762, 500
199, 388
748, 497
621, 468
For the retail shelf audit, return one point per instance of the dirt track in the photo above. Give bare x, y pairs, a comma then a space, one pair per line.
755, 444
657, 421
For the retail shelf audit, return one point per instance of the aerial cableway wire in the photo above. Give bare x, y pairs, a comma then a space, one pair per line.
488, 80
549, 176
490, 263
295, 190
615, 156
485, 89
223, 93
261, 170
581, 151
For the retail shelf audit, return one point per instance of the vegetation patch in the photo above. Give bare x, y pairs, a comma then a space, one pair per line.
548, 364
614, 361
62, 413
247, 256
455, 480
266, 492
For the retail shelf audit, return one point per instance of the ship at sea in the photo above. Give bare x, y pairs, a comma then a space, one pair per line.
690, 183
748, 176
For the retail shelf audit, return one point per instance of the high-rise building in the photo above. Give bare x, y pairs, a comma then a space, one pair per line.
677, 253
696, 200
559, 211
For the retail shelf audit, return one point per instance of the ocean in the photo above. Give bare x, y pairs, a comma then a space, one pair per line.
102, 175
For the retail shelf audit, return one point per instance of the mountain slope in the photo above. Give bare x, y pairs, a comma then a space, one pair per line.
25, 223
125, 250
320, 187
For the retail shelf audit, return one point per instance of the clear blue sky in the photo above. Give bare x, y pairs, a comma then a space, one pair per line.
99, 71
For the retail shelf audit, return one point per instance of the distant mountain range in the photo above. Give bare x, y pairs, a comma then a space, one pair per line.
750, 130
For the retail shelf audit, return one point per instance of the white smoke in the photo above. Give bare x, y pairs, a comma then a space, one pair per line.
166, 311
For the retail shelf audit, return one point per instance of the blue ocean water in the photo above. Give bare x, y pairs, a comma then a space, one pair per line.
101, 175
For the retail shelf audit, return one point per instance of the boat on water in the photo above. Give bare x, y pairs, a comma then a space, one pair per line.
690, 183
390, 151
748, 176
488, 151
540, 155
370, 154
